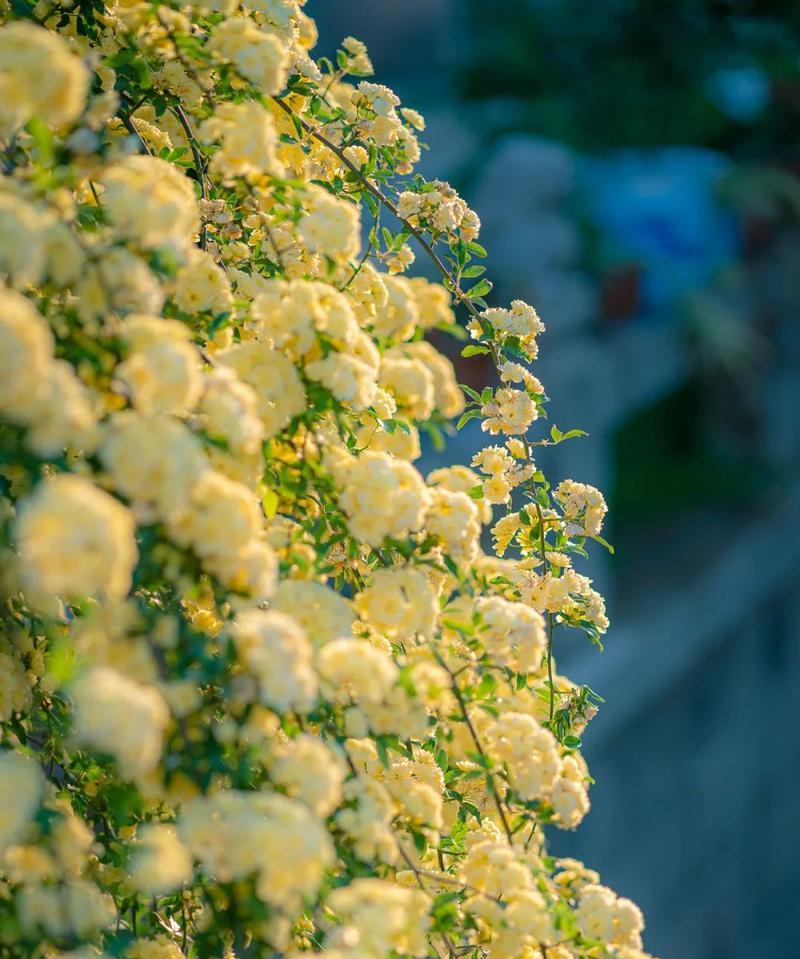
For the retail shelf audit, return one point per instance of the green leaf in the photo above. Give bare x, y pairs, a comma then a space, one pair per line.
297, 85
474, 350
464, 628
451, 566
43, 139
470, 392
61, 662
466, 417
473, 271
392, 425
269, 503
558, 437
469, 809
603, 542
372, 204
486, 686
435, 434
490, 709
481, 288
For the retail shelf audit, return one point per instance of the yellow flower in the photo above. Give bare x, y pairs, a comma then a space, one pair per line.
273, 648
202, 286
236, 834
330, 226
77, 908
23, 239
529, 752
308, 770
55, 95
382, 496
153, 461
150, 203
21, 787
258, 56
161, 947
399, 603
355, 669
115, 715
26, 352
410, 382
222, 522
229, 411
273, 376
15, 693
75, 540
382, 917
247, 138
324, 614
161, 862
162, 372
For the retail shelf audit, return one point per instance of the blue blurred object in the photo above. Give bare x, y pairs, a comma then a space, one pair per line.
742, 91
657, 208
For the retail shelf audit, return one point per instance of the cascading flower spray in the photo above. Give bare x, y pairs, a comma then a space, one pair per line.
262, 692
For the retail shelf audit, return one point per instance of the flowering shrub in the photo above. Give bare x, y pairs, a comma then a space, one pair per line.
261, 690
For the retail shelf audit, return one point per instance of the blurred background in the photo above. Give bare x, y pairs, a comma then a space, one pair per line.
636, 167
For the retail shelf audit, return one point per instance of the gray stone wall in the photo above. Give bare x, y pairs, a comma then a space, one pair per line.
695, 753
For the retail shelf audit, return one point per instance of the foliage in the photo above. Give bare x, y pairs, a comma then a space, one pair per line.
261, 690
616, 74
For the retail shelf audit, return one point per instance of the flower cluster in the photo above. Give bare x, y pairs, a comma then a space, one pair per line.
438, 208
262, 690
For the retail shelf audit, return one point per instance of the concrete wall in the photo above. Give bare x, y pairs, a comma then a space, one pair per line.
696, 755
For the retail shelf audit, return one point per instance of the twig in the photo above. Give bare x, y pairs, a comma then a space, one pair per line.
490, 778
549, 618
127, 119
382, 198
199, 162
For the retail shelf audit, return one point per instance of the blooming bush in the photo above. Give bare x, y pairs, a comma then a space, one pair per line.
262, 692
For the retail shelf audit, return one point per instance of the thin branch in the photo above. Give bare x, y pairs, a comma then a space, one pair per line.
359, 265
473, 733
382, 198
549, 618
278, 251
127, 119
418, 876
199, 162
